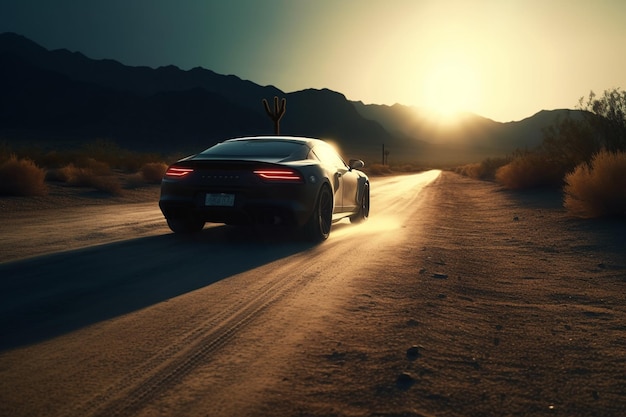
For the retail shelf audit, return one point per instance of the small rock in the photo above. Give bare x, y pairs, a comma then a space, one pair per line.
422, 271
441, 296
595, 394
440, 275
515, 219
405, 377
473, 363
412, 323
413, 352
405, 380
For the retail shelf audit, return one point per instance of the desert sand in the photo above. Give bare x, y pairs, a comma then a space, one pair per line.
499, 304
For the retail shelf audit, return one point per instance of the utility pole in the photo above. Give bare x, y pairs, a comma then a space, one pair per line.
385, 156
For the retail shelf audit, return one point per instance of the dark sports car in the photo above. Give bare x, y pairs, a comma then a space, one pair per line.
300, 183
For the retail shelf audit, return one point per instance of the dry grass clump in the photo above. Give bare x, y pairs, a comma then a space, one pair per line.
101, 164
408, 168
94, 166
469, 170
485, 170
597, 189
531, 170
106, 152
149, 173
153, 172
21, 177
377, 169
91, 173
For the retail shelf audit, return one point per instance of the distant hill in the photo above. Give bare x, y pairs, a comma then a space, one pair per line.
62, 96
470, 132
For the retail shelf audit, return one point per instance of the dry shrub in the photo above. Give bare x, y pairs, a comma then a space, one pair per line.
75, 175
21, 177
490, 166
116, 157
485, 170
94, 166
93, 176
597, 189
53, 159
469, 170
531, 170
153, 172
408, 168
377, 169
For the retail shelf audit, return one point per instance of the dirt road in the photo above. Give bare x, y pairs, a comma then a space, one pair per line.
454, 299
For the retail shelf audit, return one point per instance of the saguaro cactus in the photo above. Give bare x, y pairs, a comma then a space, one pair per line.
277, 114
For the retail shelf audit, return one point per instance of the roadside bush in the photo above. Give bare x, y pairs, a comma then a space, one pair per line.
54, 159
21, 177
94, 166
531, 170
485, 170
490, 166
69, 174
408, 168
569, 142
96, 175
597, 189
377, 169
153, 172
469, 170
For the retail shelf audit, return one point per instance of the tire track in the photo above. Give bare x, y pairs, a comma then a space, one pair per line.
172, 364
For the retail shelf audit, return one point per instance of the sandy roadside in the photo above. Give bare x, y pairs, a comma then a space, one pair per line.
501, 305
69, 218
60, 196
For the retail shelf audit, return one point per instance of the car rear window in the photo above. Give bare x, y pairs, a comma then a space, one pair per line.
255, 148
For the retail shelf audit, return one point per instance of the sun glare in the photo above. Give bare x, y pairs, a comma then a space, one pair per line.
450, 87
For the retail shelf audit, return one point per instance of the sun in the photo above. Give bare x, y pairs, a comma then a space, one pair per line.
450, 87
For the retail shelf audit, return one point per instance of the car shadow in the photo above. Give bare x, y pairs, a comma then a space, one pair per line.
47, 296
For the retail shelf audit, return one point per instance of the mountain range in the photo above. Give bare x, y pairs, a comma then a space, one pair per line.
55, 97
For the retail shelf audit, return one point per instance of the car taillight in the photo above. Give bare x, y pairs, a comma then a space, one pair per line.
178, 172
279, 175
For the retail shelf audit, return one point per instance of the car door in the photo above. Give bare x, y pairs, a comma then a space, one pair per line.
338, 170
350, 183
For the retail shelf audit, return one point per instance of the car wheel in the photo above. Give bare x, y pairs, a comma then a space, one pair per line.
185, 225
364, 207
317, 228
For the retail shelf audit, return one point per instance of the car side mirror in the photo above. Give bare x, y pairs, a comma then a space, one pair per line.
356, 164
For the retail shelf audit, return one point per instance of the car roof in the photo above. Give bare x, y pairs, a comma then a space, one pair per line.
293, 139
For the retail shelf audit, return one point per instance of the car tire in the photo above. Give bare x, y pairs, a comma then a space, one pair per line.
185, 225
317, 229
364, 206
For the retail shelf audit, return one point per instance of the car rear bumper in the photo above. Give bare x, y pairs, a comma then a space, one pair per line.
291, 206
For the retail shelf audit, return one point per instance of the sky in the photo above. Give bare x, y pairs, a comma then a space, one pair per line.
501, 59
